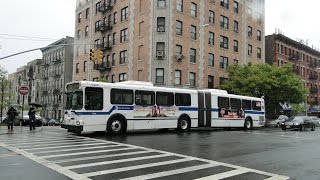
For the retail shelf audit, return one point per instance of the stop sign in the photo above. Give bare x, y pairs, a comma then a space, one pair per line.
23, 90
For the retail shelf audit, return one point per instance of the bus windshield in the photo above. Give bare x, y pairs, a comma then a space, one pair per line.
74, 100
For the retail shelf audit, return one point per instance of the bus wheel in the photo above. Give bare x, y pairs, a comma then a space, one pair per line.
247, 124
116, 126
184, 124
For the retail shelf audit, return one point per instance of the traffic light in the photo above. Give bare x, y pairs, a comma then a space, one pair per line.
93, 56
99, 56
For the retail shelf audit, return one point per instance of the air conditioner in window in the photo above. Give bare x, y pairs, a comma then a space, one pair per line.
160, 54
211, 1
160, 29
178, 57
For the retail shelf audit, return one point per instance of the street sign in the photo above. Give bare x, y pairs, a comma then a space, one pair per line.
24, 90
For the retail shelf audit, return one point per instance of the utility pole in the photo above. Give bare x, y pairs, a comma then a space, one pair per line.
2, 91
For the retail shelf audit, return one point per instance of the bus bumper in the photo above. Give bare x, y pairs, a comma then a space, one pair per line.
75, 129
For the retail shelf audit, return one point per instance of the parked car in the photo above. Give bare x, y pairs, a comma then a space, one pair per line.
316, 120
53, 122
45, 122
278, 121
25, 119
298, 122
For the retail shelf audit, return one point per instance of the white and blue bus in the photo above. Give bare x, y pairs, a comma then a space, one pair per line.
132, 105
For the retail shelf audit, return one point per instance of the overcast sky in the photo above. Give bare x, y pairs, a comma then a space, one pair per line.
50, 20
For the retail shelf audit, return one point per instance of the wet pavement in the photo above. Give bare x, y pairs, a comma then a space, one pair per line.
151, 155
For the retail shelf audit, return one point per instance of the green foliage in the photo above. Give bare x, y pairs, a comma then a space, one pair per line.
277, 84
102, 79
297, 108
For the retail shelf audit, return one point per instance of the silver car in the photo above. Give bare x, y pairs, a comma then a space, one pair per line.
316, 120
278, 121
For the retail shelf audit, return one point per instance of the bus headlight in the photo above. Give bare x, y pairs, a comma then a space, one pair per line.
77, 123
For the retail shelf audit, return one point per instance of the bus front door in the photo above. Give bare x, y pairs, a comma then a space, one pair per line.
204, 109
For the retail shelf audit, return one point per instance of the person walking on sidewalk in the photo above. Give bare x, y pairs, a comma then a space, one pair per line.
32, 118
12, 113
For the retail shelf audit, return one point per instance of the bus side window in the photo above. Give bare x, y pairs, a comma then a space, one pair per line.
256, 105
121, 96
246, 105
165, 99
182, 99
94, 98
223, 105
144, 98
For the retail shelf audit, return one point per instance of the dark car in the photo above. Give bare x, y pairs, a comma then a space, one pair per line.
298, 122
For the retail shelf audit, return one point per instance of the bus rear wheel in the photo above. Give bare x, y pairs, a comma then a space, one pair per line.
184, 124
248, 124
116, 126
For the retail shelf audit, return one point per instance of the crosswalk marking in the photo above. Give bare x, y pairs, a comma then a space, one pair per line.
81, 153
98, 157
135, 167
65, 146
85, 158
172, 172
115, 161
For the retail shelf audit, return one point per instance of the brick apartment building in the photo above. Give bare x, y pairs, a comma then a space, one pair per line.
168, 42
305, 60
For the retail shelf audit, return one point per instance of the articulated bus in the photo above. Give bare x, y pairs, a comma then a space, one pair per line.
132, 105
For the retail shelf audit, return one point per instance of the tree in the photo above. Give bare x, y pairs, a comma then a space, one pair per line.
6, 96
276, 84
102, 79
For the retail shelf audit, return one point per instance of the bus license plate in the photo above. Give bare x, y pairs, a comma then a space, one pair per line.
287, 126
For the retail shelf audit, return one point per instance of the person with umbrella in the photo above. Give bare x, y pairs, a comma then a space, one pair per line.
32, 118
12, 113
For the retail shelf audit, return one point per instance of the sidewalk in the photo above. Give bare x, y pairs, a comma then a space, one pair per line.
17, 129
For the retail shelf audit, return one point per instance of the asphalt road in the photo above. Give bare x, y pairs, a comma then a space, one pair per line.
207, 153
292, 153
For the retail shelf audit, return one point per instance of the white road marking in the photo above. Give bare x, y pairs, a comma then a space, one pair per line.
116, 161
64, 146
90, 152
225, 174
98, 157
44, 142
171, 172
32, 139
51, 144
83, 148
134, 167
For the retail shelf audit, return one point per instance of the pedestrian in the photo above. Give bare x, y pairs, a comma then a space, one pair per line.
32, 118
12, 113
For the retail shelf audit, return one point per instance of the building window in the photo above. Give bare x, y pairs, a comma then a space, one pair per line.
259, 35
235, 26
259, 18
178, 50
224, 22
79, 18
249, 49
161, 21
97, 26
160, 49
115, 18
124, 14
140, 50
235, 46
211, 38
211, 59
86, 31
78, 35
211, 17
141, 28
235, 61
113, 61
84, 66
249, 31
223, 62
249, 13
122, 77
112, 78
98, 7
259, 53
193, 9
192, 79
224, 42
77, 68
85, 49
235, 7
193, 32
210, 81
114, 38
193, 55
179, 28
124, 35
123, 56
87, 13
160, 75
177, 77
78, 50
161, 3
224, 3
180, 5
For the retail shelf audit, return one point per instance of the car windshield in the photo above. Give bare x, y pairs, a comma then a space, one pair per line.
295, 119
